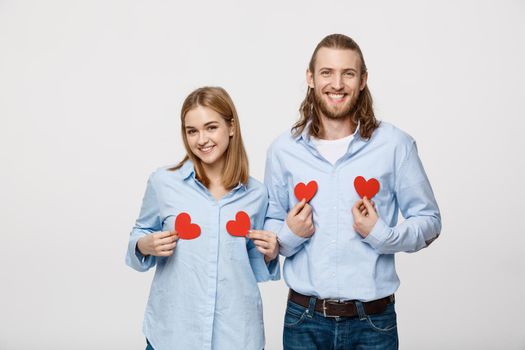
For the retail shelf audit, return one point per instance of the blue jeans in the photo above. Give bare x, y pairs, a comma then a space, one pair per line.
306, 329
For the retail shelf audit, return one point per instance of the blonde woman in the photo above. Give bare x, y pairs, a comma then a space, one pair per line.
198, 226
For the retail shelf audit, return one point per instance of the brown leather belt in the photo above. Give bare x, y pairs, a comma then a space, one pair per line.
334, 308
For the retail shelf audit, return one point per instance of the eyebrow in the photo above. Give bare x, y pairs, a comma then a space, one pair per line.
207, 124
344, 69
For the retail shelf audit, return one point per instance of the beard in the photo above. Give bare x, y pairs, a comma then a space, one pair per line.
344, 111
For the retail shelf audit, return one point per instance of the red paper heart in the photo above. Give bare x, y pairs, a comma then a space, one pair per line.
305, 191
185, 229
240, 226
366, 188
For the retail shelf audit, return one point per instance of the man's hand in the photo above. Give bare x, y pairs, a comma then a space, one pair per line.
365, 216
266, 243
158, 244
300, 220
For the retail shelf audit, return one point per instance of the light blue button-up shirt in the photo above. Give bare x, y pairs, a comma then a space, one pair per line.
205, 295
336, 262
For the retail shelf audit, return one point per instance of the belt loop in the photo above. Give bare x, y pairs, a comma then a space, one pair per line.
360, 310
311, 307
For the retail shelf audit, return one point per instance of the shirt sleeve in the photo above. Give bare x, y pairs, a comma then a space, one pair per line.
289, 242
148, 222
263, 272
418, 206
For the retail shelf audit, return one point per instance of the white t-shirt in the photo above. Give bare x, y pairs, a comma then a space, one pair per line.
332, 150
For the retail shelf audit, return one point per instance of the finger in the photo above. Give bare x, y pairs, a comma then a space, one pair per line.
261, 244
306, 212
174, 234
355, 209
368, 205
163, 234
257, 234
263, 251
167, 240
298, 207
165, 253
167, 247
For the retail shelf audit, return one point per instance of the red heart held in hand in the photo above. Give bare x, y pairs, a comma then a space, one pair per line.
366, 188
185, 229
240, 226
305, 191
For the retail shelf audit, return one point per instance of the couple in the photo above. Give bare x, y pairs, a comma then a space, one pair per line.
213, 232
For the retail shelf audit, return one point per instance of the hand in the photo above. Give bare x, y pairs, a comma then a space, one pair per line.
300, 220
266, 243
365, 217
158, 243
362, 208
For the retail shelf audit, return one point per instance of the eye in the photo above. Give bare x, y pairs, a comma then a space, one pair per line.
325, 73
350, 74
191, 131
212, 127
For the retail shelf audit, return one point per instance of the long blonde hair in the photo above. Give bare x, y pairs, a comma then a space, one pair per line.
236, 167
364, 113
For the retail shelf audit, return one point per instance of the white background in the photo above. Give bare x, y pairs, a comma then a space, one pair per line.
90, 94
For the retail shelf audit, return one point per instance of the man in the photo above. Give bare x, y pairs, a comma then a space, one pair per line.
340, 246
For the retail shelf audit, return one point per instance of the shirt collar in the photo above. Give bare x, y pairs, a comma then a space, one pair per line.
305, 135
187, 170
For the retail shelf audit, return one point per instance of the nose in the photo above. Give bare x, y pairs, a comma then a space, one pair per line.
203, 139
337, 81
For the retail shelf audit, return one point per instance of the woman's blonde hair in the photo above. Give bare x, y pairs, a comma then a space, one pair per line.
236, 167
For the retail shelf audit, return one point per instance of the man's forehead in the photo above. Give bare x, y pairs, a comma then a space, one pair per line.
336, 58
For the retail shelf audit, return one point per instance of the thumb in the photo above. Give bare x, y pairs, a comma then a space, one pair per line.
298, 207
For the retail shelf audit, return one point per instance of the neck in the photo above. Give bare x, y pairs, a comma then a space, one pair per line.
333, 129
214, 172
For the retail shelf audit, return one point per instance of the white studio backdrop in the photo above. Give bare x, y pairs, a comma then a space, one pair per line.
90, 94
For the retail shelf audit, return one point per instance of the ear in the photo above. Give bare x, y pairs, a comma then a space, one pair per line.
310, 78
232, 127
364, 79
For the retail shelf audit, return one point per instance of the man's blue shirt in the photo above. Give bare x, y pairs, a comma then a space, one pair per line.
336, 262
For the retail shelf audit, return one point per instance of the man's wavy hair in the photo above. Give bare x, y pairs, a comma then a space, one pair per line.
364, 112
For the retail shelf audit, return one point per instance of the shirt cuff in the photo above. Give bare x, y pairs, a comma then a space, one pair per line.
136, 259
289, 241
274, 269
377, 237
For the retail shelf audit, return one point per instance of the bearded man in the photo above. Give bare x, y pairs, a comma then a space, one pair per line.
339, 244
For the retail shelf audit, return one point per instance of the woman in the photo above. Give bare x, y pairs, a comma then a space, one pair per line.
193, 226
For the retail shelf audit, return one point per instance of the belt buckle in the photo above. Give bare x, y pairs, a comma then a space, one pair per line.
324, 309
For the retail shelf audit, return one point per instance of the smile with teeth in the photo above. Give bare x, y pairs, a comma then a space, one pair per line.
206, 149
336, 97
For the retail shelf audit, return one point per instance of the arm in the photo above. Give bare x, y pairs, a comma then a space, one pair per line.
258, 245
147, 223
418, 206
276, 215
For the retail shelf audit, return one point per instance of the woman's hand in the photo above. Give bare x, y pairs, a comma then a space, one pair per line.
158, 243
266, 243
